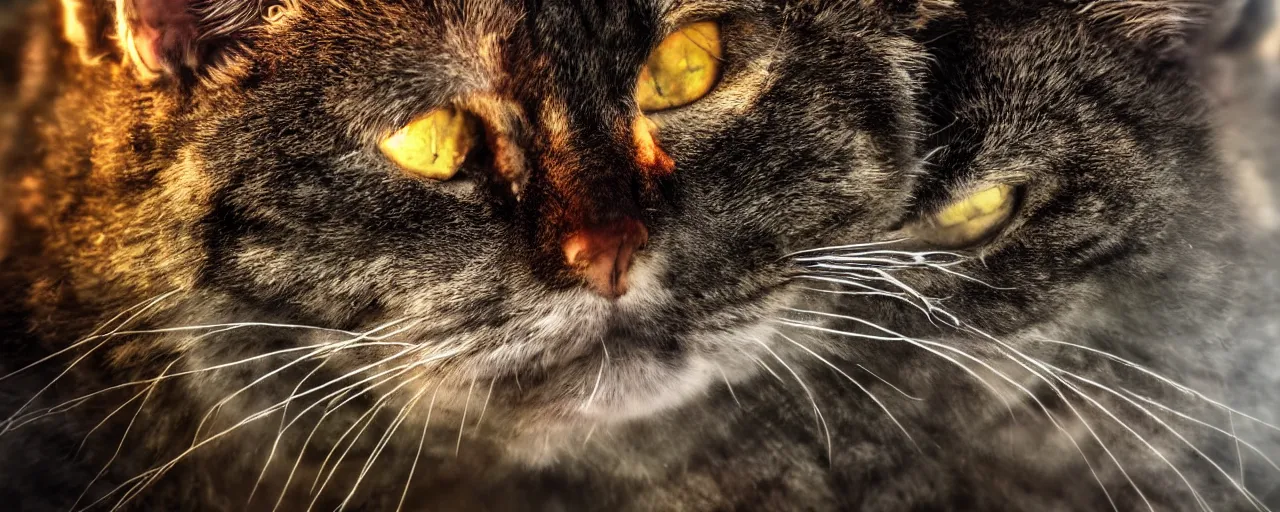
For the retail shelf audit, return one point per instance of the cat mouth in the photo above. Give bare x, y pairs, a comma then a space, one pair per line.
616, 374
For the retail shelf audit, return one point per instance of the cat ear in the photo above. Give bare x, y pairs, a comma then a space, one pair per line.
915, 14
158, 37
169, 37
1161, 25
927, 11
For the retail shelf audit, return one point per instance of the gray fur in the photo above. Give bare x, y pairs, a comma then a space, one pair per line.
251, 190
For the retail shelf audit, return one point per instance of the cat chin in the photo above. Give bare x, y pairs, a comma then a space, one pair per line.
641, 384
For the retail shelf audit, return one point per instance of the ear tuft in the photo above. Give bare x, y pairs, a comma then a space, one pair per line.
928, 11
916, 14
159, 36
168, 37
1162, 25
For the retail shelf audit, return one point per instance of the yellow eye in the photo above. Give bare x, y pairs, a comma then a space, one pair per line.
971, 219
683, 69
433, 145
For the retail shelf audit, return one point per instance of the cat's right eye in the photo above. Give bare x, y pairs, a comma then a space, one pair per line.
433, 145
682, 69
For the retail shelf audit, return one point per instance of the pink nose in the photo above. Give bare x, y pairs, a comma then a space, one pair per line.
603, 255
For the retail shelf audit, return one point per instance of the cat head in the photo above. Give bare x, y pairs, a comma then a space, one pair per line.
1071, 142
601, 211
519, 190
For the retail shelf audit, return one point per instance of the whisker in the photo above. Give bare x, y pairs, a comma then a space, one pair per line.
1249, 495
765, 366
604, 361
728, 385
922, 344
890, 255
1151, 448
151, 475
371, 414
12, 422
812, 401
887, 383
1231, 422
328, 411
846, 247
927, 308
284, 416
417, 455
108, 417
321, 349
105, 339
1105, 449
1170, 382
382, 444
1187, 417
855, 383
76, 402
929, 347
149, 303
484, 407
1257, 503
120, 446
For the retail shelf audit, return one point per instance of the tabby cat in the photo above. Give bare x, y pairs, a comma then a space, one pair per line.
633, 255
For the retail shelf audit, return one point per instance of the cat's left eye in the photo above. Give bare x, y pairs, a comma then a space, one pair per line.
682, 69
971, 219
433, 145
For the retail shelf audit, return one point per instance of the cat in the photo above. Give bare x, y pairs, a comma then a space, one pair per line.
746, 255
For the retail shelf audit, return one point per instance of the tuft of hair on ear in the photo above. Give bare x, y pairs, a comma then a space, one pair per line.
928, 11
167, 38
916, 14
1164, 26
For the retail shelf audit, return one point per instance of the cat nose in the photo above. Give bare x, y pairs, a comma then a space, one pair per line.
602, 255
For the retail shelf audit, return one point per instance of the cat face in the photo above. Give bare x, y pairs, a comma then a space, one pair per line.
1104, 141
804, 139
282, 158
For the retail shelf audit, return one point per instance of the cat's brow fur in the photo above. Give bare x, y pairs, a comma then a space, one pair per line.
226, 236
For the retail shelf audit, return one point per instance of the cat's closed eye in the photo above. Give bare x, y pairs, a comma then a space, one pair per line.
973, 218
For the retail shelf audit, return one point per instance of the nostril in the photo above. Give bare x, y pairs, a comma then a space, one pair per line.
602, 255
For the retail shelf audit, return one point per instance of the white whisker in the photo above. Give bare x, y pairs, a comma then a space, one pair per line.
930, 346
119, 446
887, 383
484, 407
78, 401
846, 247
1257, 503
149, 476
284, 416
372, 415
728, 385
812, 401
1187, 417
1180, 387
382, 444
855, 383
149, 303
604, 361
417, 455
281, 368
